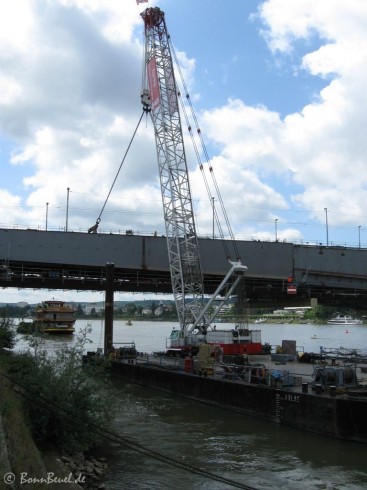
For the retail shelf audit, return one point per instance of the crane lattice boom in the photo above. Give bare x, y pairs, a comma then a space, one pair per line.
160, 97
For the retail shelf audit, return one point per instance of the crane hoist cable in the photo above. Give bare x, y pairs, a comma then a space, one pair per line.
211, 170
93, 229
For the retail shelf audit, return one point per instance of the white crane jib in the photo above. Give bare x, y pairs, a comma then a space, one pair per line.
159, 97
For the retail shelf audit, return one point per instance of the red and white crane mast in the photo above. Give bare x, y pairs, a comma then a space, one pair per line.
159, 96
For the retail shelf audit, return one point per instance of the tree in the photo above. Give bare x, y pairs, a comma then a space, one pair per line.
119, 311
153, 307
7, 333
13, 311
67, 403
131, 308
79, 311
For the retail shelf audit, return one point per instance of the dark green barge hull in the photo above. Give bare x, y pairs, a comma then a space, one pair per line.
339, 416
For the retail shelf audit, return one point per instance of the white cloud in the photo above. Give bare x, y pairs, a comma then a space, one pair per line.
69, 101
10, 90
246, 134
16, 27
331, 20
322, 147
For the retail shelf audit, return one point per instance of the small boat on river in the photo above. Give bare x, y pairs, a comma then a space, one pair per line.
260, 320
344, 320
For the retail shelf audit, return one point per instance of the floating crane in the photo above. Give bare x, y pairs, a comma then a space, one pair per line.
160, 99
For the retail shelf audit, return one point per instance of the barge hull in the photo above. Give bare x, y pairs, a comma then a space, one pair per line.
341, 417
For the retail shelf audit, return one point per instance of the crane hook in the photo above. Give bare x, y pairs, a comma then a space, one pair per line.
94, 228
145, 100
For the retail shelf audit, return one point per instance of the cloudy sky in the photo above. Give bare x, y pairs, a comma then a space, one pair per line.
278, 87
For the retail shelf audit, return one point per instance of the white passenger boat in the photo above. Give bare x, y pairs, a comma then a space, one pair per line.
344, 320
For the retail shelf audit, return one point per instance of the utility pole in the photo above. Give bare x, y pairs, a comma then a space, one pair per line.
359, 236
213, 215
46, 214
67, 209
276, 229
327, 228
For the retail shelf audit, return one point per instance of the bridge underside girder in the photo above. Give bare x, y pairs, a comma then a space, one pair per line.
261, 292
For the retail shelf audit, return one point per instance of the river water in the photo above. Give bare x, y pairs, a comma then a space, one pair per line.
257, 453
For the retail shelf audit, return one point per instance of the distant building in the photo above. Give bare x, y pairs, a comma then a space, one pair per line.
292, 310
96, 307
298, 310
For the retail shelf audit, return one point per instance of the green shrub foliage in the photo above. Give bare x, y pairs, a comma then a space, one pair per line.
68, 403
7, 333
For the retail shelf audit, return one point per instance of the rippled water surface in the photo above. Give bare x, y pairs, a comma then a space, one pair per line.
251, 451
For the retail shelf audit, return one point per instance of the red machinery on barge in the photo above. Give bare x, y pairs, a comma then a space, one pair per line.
234, 342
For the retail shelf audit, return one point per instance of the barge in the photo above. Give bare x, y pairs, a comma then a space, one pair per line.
322, 394
325, 399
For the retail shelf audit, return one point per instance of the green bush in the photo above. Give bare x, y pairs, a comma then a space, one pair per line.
7, 333
66, 401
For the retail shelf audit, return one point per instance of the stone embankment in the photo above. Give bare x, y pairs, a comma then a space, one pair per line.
92, 469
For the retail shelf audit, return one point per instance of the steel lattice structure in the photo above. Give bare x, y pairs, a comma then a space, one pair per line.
160, 98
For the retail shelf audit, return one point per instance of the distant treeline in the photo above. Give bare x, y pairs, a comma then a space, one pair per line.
13, 311
129, 311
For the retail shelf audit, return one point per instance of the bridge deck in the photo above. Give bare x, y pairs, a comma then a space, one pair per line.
69, 260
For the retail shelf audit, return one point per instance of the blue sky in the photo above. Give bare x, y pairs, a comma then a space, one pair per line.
233, 59
278, 87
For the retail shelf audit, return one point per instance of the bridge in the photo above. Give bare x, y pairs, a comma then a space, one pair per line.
278, 273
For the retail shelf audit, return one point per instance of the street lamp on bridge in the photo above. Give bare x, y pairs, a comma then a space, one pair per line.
67, 208
327, 228
46, 214
213, 207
